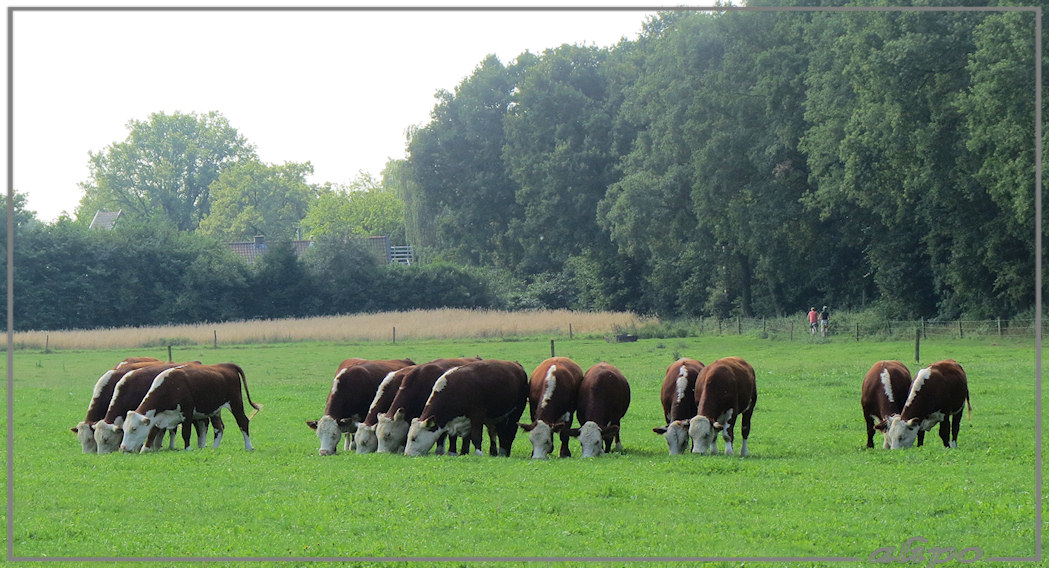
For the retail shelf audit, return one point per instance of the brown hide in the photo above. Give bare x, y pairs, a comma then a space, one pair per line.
875, 401
382, 401
416, 386
604, 397
357, 385
685, 407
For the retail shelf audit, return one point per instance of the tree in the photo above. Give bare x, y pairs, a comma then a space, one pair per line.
364, 208
251, 198
163, 170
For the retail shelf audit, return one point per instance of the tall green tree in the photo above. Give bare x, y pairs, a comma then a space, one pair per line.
364, 208
164, 168
252, 198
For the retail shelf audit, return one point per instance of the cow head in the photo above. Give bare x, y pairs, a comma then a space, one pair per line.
676, 434
365, 439
85, 434
422, 435
541, 435
108, 436
704, 435
592, 437
901, 433
330, 431
136, 429
391, 433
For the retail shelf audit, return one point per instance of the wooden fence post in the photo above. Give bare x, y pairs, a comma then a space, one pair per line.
552, 348
857, 332
569, 331
216, 340
917, 344
739, 325
169, 354
395, 335
961, 334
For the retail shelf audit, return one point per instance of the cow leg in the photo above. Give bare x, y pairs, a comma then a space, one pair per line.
507, 433
870, 429
493, 439
201, 426
727, 433
476, 437
921, 438
745, 432
171, 438
218, 426
945, 431
956, 426
439, 450
565, 437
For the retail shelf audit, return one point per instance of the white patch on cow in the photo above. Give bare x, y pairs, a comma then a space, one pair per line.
551, 385
542, 439
365, 439
919, 382
590, 439
157, 382
247, 442
101, 384
439, 385
677, 437
743, 451
682, 383
329, 433
391, 433
421, 439
901, 433
85, 434
335, 381
458, 426
952, 444
886, 383
136, 429
385, 384
704, 437
931, 420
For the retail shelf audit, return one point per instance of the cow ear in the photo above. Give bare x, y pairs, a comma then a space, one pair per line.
525, 427
312, 424
882, 426
574, 432
399, 415
609, 431
146, 421
430, 423
119, 422
558, 426
348, 425
661, 430
74, 430
913, 422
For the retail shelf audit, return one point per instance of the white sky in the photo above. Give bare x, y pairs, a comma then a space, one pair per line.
337, 89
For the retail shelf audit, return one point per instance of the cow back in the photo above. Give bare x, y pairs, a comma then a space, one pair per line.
354, 388
885, 388
417, 385
132, 387
724, 384
940, 387
679, 387
553, 389
604, 395
491, 389
385, 394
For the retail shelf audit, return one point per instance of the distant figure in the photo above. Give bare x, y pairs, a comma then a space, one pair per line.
813, 315
824, 320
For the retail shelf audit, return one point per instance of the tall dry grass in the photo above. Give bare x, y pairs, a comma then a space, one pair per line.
417, 324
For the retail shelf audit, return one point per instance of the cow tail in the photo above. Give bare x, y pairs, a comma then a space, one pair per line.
969, 405
244, 381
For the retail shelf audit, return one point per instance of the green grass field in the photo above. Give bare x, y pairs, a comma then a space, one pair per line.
809, 489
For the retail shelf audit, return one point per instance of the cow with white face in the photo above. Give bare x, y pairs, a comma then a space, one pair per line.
365, 439
101, 396
352, 392
725, 390
391, 428
604, 397
466, 400
678, 396
186, 394
132, 383
938, 395
882, 396
553, 390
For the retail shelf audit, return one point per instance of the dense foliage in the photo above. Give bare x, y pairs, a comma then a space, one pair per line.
734, 163
749, 163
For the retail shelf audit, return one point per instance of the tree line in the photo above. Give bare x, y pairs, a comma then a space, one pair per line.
720, 164
748, 163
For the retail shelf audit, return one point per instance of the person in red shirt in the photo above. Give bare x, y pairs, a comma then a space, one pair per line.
812, 320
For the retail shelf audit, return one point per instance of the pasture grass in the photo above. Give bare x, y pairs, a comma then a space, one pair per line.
810, 489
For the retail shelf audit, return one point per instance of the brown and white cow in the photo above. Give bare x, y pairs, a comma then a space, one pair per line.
678, 396
604, 397
882, 396
132, 384
466, 400
183, 395
939, 392
101, 396
352, 392
391, 430
553, 390
725, 390
364, 438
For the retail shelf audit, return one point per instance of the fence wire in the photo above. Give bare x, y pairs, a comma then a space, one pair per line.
885, 329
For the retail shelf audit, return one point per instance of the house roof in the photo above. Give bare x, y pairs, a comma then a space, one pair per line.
105, 219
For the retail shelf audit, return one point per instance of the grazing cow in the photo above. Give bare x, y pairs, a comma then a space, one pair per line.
939, 391
132, 383
133, 360
725, 389
364, 438
100, 399
465, 400
883, 394
679, 403
352, 391
183, 395
392, 426
553, 390
604, 396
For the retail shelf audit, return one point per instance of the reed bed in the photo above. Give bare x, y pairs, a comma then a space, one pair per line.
387, 326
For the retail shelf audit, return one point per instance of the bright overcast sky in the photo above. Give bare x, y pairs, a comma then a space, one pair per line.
337, 89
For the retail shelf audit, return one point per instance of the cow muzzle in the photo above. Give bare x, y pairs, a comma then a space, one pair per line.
324, 452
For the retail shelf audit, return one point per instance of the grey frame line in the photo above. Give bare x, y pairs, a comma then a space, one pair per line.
11, 237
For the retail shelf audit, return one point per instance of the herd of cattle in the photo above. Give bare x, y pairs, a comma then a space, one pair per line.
397, 406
